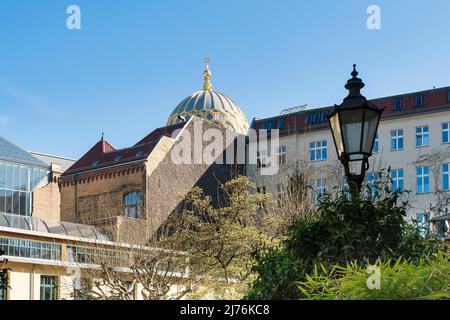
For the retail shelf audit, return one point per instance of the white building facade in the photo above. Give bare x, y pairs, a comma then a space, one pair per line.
413, 140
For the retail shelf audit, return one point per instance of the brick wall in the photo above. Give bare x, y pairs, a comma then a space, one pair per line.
99, 195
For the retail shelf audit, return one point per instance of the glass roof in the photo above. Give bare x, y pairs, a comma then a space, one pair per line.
57, 227
11, 152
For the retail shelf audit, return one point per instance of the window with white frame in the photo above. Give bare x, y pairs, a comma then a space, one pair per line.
282, 155
376, 144
397, 180
397, 139
446, 132
318, 150
422, 136
373, 180
346, 189
319, 189
423, 223
445, 177
261, 158
423, 179
281, 191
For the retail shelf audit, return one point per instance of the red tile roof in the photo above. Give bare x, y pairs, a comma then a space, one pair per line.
434, 100
166, 131
103, 154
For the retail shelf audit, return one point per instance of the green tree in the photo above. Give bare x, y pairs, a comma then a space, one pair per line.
221, 238
361, 229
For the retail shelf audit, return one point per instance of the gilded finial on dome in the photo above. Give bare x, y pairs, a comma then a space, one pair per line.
207, 76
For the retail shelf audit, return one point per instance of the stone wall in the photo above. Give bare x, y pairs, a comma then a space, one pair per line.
98, 196
169, 181
47, 202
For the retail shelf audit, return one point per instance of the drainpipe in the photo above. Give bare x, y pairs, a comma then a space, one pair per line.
75, 218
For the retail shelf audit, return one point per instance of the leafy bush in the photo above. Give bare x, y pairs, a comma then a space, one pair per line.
399, 280
361, 229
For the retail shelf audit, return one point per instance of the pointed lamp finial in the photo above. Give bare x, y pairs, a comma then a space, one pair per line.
103, 135
207, 76
354, 72
355, 84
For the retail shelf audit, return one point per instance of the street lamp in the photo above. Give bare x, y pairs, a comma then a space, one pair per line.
354, 126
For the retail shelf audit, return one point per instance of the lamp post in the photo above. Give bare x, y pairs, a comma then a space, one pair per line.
354, 125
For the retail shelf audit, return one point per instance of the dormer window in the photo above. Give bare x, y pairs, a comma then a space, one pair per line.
95, 163
139, 154
132, 205
418, 101
316, 117
398, 103
117, 158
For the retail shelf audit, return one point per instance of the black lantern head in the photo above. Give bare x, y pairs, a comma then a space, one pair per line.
354, 126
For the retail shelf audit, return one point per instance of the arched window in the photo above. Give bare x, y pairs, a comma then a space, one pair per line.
132, 203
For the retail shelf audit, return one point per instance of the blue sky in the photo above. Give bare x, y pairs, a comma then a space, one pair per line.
133, 61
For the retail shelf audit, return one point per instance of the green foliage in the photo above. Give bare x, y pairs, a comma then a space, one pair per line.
276, 269
220, 239
429, 278
361, 229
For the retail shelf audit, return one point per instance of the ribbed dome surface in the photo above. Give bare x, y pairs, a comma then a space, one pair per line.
210, 105
213, 106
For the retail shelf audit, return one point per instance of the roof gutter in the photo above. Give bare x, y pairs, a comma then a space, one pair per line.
102, 168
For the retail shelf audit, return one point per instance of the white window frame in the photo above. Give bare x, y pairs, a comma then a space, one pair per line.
261, 159
319, 188
372, 180
422, 134
377, 143
281, 193
318, 147
397, 179
422, 176
397, 138
282, 155
447, 131
446, 175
